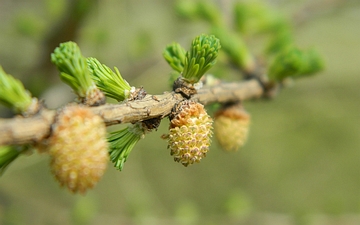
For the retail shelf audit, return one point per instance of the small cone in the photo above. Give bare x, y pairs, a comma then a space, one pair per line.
78, 148
190, 133
231, 127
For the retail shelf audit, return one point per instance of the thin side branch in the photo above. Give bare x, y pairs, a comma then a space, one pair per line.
20, 130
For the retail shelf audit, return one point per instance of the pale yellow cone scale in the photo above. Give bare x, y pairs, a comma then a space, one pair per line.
190, 133
231, 127
78, 148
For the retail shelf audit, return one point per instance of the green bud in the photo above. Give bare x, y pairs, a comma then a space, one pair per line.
108, 81
174, 54
313, 62
279, 41
293, 62
15, 96
123, 141
74, 72
201, 57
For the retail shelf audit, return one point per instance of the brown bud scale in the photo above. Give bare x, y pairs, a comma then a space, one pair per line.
94, 97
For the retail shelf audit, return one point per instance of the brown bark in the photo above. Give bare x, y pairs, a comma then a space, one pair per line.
21, 130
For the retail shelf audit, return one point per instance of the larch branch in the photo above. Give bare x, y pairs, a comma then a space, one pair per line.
21, 130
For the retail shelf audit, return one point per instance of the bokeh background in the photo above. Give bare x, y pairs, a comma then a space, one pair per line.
301, 164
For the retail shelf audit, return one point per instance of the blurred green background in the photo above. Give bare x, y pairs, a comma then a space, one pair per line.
301, 164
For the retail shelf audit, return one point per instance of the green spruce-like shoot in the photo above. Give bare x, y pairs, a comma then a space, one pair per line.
201, 57
13, 94
294, 62
175, 55
7, 155
73, 68
108, 81
122, 142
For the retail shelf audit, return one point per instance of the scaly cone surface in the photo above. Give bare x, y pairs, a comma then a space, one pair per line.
190, 133
78, 148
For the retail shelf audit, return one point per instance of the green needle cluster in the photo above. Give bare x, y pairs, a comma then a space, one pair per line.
203, 9
294, 62
73, 68
13, 94
7, 155
279, 41
175, 55
200, 58
235, 47
108, 81
122, 142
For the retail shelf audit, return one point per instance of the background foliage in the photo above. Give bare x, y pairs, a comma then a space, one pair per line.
301, 162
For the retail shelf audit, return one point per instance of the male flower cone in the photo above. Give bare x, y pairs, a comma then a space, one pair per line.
190, 132
78, 148
231, 127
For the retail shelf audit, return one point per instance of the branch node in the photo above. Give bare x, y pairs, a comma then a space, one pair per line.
184, 88
138, 94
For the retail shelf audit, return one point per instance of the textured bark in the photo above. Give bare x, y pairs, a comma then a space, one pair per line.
21, 130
